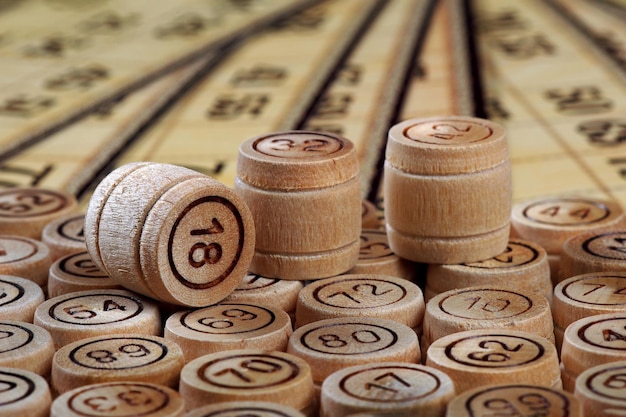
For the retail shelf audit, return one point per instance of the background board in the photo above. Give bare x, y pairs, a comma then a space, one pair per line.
88, 86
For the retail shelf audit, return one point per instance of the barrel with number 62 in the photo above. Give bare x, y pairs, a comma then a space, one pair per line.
170, 233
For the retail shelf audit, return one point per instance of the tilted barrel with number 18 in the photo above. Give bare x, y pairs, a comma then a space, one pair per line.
169, 233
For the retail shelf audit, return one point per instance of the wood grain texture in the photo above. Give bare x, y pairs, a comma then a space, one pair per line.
247, 375
303, 190
127, 399
77, 272
170, 233
333, 344
20, 298
65, 235
24, 257
486, 308
26, 346
361, 295
115, 358
26, 393
242, 408
386, 388
256, 289
447, 186
376, 257
586, 295
522, 398
600, 389
522, 267
75, 316
25, 211
596, 251
593, 341
475, 358
550, 221
228, 326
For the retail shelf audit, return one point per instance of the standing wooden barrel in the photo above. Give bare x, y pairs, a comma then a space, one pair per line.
447, 189
304, 193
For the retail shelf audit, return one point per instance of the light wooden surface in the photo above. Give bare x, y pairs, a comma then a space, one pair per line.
376, 257
255, 408
586, 295
26, 393
361, 295
126, 399
228, 326
522, 267
20, 298
112, 358
65, 235
519, 398
332, 344
77, 272
255, 289
79, 315
25, 257
458, 166
486, 308
290, 179
388, 388
247, 375
26, 346
592, 341
550, 221
600, 389
197, 238
26, 211
596, 251
476, 358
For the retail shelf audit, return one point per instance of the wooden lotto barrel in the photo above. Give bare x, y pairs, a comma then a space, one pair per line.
169, 233
304, 193
447, 188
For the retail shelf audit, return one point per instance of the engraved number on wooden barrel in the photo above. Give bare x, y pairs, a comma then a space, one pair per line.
14, 387
298, 145
390, 384
203, 251
601, 290
9, 292
81, 265
118, 353
566, 212
349, 338
73, 229
26, 203
15, 249
608, 382
88, 310
451, 132
605, 333
485, 304
516, 254
248, 371
14, 336
516, 400
228, 319
353, 293
125, 399
374, 245
607, 245
494, 351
